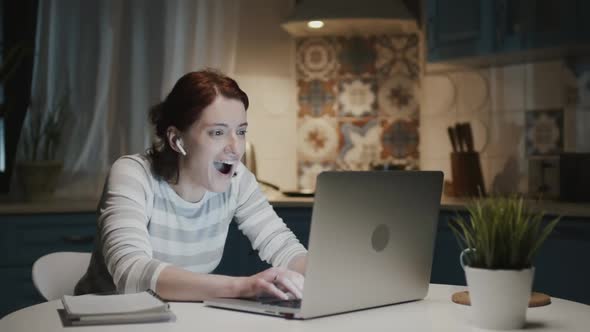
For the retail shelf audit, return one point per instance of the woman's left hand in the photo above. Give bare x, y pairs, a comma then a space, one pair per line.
276, 281
289, 281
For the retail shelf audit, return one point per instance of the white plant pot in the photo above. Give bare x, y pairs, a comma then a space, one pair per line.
499, 298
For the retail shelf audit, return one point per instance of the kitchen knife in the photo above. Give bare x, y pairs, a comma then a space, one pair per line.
450, 130
468, 136
460, 137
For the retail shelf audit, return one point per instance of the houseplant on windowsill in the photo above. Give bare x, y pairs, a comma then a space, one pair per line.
42, 133
499, 239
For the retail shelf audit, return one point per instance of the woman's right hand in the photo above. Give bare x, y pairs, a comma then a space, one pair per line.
276, 281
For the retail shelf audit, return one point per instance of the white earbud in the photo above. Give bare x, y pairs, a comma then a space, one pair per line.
180, 147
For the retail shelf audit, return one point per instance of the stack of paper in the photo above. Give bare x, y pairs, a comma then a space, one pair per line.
116, 309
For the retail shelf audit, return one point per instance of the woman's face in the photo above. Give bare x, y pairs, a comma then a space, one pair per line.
215, 144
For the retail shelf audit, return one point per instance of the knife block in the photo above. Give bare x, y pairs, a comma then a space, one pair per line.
467, 175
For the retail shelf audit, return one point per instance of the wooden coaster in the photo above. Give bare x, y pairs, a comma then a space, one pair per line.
537, 299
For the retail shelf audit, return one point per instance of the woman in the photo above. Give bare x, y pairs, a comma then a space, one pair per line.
164, 216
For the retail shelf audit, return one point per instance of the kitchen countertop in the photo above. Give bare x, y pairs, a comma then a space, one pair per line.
454, 203
276, 198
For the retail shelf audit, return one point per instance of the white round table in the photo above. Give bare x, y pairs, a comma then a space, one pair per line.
435, 313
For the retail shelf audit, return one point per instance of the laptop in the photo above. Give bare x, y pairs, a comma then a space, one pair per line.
371, 244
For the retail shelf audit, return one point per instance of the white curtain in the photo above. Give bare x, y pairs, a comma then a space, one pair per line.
114, 59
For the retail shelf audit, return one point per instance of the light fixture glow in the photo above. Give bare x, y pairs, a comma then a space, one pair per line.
315, 24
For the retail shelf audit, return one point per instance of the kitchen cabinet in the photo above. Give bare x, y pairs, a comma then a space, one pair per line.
560, 266
550, 23
583, 11
468, 29
561, 269
459, 28
239, 259
24, 238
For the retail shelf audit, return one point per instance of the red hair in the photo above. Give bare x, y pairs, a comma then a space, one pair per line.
191, 94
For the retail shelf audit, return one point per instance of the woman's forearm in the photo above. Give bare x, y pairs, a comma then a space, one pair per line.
177, 284
298, 264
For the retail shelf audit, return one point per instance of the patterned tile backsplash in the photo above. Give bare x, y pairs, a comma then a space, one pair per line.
362, 101
358, 103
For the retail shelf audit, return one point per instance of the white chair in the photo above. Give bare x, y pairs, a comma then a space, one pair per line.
56, 274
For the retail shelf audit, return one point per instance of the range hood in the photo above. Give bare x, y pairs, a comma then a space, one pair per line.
349, 17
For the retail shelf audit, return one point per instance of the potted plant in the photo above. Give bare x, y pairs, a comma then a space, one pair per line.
42, 133
499, 239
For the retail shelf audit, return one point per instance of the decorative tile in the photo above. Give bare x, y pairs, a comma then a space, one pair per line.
316, 98
400, 140
544, 132
308, 173
316, 59
358, 103
397, 54
357, 98
398, 98
317, 139
361, 145
357, 56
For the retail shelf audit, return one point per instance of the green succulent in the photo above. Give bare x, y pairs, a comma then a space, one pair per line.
502, 233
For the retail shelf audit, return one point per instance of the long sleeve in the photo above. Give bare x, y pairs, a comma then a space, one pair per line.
267, 232
122, 224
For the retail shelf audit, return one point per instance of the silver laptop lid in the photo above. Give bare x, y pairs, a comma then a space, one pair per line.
371, 240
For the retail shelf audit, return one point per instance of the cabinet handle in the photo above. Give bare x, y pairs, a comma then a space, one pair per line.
78, 239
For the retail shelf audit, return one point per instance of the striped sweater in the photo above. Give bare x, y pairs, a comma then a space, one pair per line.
143, 225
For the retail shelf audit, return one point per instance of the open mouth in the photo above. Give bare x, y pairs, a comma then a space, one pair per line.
224, 167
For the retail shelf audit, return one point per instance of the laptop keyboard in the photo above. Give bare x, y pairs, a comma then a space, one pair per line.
294, 303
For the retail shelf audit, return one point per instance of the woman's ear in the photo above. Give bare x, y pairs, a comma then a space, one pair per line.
174, 140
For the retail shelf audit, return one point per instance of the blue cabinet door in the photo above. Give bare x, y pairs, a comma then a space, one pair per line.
445, 264
25, 238
551, 23
459, 28
17, 289
510, 19
535, 24
561, 265
239, 259
470, 28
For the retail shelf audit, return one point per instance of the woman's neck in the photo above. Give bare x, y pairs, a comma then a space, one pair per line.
188, 191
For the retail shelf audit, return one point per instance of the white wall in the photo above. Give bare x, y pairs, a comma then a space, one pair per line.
495, 100
265, 70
